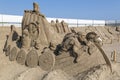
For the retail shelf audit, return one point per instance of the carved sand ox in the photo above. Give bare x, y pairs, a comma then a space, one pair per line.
35, 47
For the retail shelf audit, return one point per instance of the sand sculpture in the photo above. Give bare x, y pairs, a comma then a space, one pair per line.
118, 28
60, 27
38, 47
65, 27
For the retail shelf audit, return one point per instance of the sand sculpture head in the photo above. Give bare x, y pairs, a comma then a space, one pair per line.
35, 7
57, 21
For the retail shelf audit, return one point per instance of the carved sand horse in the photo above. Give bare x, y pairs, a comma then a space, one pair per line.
35, 47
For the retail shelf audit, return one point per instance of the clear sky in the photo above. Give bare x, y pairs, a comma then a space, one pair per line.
80, 9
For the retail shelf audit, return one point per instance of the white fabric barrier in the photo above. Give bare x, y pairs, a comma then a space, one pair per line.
7, 20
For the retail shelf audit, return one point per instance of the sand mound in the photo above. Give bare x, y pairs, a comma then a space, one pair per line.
101, 72
57, 75
31, 74
13, 71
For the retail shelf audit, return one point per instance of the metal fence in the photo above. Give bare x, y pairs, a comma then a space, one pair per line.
112, 23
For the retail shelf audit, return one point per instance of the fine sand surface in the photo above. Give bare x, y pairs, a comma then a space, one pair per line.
13, 71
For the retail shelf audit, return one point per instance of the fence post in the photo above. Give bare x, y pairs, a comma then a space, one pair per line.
2, 20
92, 22
77, 22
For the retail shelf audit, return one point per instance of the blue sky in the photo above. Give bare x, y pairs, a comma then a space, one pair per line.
80, 9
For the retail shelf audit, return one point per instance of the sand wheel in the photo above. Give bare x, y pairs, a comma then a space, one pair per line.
7, 52
13, 54
47, 61
21, 57
32, 58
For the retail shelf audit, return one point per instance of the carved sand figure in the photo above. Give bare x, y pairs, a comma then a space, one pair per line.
118, 28
70, 44
59, 26
81, 38
13, 36
26, 39
36, 7
65, 27
53, 25
34, 34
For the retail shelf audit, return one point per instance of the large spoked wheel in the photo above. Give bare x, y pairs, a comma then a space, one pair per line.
47, 61
13, 54
32, 58
21, 57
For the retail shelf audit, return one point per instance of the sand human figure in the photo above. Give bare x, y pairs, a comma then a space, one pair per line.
82, 40
53, 25
65, 27
36, 7
70, 44
15, 35
59, 27
26, 39
33, 29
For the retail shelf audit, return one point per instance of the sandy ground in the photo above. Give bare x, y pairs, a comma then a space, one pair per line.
13, 71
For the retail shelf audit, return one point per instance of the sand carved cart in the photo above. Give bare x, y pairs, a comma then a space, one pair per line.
32, 47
